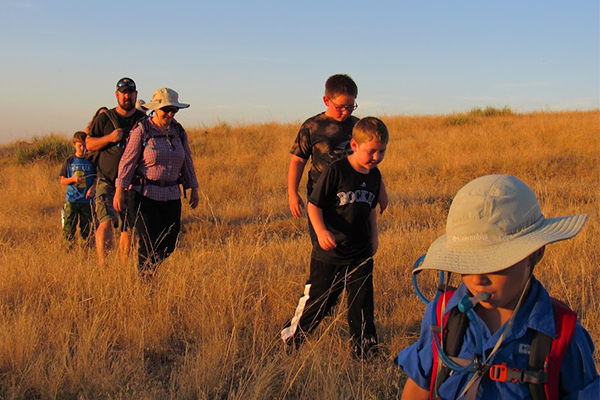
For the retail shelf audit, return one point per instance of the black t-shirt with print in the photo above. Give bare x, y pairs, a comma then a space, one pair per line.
109, 157
323, 140
346, 197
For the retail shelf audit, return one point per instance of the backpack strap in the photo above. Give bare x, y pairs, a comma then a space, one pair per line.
548, 353
113, 118
545, 358
111, 114
437, 364
540, 348
452, 335
94, 156
146, 136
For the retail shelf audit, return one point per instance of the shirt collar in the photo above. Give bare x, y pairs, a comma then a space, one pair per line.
535, 313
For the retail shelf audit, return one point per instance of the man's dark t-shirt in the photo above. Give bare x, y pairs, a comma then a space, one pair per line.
346, 197
323, 140
109, 157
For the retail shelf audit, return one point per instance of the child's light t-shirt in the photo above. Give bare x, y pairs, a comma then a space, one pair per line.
76, 166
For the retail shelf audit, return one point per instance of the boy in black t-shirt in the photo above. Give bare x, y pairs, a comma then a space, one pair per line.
342, 211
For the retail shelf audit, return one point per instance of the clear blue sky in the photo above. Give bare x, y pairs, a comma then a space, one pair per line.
255, 61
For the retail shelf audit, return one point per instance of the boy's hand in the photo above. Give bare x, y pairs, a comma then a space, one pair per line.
296, 205
78, 179
326, 240
383, 200
91, 192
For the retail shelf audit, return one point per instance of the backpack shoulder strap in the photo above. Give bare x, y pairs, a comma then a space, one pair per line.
143, 123
548, 353
113, 118
180, 130
453, 335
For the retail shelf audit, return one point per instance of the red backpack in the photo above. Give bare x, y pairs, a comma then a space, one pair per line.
545, 358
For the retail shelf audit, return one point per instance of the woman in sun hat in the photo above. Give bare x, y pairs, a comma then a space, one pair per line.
495, 235
156, 161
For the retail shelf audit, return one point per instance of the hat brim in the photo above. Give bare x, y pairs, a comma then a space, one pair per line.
155, 106
497, 257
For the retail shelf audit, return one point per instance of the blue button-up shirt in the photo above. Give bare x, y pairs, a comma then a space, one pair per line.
579, 378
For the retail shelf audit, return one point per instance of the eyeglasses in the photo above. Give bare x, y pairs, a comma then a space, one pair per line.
349, 108
172, 110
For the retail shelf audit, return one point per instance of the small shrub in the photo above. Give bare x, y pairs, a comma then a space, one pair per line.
490, 111
475, 113
459, 119
51, 148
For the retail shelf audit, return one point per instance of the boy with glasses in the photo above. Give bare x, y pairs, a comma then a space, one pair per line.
323, 139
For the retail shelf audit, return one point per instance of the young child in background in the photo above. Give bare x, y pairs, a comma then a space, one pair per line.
342, 211
79, 174
323, 139
495, 235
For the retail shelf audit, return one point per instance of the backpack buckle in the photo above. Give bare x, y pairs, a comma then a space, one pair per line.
499, 373
502, 373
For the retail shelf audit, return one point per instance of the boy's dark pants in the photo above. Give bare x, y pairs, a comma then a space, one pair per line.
157, 225
325, 284
77, 214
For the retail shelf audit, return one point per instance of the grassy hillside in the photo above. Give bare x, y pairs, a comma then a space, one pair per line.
207, 327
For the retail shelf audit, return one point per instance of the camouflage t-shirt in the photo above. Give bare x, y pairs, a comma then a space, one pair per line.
323, 140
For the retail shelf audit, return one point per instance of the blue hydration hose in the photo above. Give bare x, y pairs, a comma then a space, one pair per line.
416, 284
466, 306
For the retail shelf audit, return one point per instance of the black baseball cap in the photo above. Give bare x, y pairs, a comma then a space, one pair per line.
125, 85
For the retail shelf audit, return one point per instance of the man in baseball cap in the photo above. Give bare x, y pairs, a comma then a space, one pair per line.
108, 137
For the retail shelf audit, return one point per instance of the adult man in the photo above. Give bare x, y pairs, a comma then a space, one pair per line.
108, 136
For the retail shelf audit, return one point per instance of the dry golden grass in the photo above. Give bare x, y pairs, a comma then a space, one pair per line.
207, 326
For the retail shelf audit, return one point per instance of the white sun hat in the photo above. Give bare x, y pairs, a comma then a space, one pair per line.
165, 97
494, 222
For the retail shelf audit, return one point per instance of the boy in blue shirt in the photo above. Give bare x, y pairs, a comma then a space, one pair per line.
342, 211
495, 235
80, 175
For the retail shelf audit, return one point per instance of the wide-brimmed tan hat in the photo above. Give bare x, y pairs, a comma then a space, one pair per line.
494, 222
164, 97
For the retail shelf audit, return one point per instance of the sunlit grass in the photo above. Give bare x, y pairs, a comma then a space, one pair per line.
208, 325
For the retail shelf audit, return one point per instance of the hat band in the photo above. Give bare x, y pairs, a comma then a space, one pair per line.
526, 229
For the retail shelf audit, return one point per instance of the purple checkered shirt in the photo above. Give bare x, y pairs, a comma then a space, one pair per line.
161, 158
